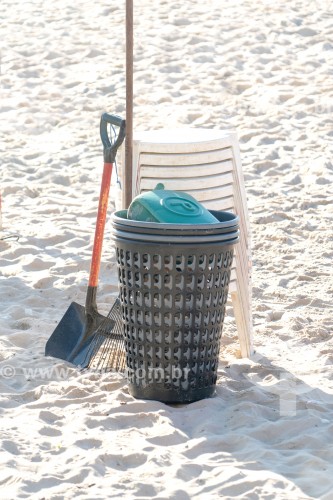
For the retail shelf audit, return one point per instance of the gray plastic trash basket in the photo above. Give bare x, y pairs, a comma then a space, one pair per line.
173, 297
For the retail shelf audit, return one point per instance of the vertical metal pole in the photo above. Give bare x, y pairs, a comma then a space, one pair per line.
129, 105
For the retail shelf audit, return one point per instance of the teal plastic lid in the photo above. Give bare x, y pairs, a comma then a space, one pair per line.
175, 207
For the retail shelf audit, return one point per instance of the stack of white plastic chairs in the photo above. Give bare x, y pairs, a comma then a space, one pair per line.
206, 164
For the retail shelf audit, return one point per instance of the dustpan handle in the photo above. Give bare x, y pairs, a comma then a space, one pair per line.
110, 148
110, 151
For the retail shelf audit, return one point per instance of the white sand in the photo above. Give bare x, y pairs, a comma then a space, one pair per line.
262, 67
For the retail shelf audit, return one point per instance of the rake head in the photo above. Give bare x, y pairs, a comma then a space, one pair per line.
106, 349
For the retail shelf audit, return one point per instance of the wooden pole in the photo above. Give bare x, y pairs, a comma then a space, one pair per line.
129, 105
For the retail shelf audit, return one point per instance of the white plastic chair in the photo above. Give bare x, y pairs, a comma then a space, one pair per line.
206, 164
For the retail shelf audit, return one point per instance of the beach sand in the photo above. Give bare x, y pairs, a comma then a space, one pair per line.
261, 68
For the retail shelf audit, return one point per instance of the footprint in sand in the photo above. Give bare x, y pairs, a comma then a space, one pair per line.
49, 417
44, 283
10, 446
172, 439
187, 472
88, 444
21, 339
49, 431
123, 462
38, 265
62, 180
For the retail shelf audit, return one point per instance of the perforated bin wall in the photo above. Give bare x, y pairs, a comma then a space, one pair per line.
173, 301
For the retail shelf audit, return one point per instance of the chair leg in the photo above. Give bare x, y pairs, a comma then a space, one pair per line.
243, 323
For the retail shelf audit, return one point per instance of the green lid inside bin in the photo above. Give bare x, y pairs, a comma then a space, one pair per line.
175, 207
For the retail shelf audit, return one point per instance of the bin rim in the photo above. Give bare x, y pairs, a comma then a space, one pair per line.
118, 218
173, 232
232, 237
